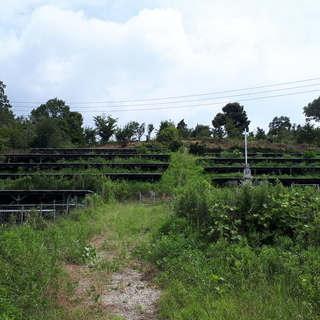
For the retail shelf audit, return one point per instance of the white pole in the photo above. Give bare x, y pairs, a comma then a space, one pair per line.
245, 147
246, 171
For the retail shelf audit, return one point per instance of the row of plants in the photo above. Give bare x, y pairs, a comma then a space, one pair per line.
86, 170
94, 181
238, 154
117, 159
306, 167
261, 163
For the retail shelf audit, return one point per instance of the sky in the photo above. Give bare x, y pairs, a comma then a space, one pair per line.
155, 60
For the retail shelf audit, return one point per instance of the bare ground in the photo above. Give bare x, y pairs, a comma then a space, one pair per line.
92, 292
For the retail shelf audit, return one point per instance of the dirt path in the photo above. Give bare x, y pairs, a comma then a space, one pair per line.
96, 291
131, 294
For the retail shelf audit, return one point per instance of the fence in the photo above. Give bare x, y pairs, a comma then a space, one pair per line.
152, 198
19, 213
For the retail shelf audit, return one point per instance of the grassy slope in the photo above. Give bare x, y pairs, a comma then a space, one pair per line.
32, 256
219, 281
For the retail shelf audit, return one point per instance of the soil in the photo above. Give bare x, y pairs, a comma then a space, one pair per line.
130, 293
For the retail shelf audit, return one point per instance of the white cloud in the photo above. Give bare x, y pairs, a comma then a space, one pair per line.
119, 50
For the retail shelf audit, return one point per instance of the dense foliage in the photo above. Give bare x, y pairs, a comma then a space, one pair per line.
244, 252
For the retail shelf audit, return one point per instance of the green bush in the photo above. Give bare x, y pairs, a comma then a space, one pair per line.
260, 213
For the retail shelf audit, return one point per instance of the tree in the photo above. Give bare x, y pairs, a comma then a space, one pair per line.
168, 134
140, 130
24, 132
125, 134
6, 115
308, 134
150, 128
11, 132
167, 131
279, 128
53, 108
49, 134
233, 121
312, 110
90, 135
201, 131
261, 134
218, 132
69, 123
184, 132
105, 127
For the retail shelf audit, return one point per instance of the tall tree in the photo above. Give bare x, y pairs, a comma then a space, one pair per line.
312, 110
201, 131
49, 134
233, 120
90, 135
64, 123
6, 115
125, 134
184, 132
260, 134
105, 127
53, 108
150, 129
11, 132
280, 128
308, 134
140, 130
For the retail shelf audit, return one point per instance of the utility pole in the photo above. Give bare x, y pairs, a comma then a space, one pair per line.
246, 171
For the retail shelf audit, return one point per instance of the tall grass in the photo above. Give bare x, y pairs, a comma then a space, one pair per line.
247, 252
233, 280
31, 255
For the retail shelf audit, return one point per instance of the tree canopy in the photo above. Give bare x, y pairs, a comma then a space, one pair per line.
312, 110
11, 133
63, 124
279, 128
167, 131
105, 126
53, 124
6, 115
233, 120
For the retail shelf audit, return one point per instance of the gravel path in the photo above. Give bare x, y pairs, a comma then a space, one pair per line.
131, 295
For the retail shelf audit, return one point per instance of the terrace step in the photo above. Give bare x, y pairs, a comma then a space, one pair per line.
40, 196
284, 181
127, 176
262, 169
40, 158
93, 150
259, 160
15, 166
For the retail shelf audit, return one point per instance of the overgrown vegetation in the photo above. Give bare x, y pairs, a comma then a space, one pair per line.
31, 257
249, 251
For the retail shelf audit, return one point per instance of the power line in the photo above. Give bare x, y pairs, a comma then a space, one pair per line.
199, 105
206, 104
216, 98
189, 96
